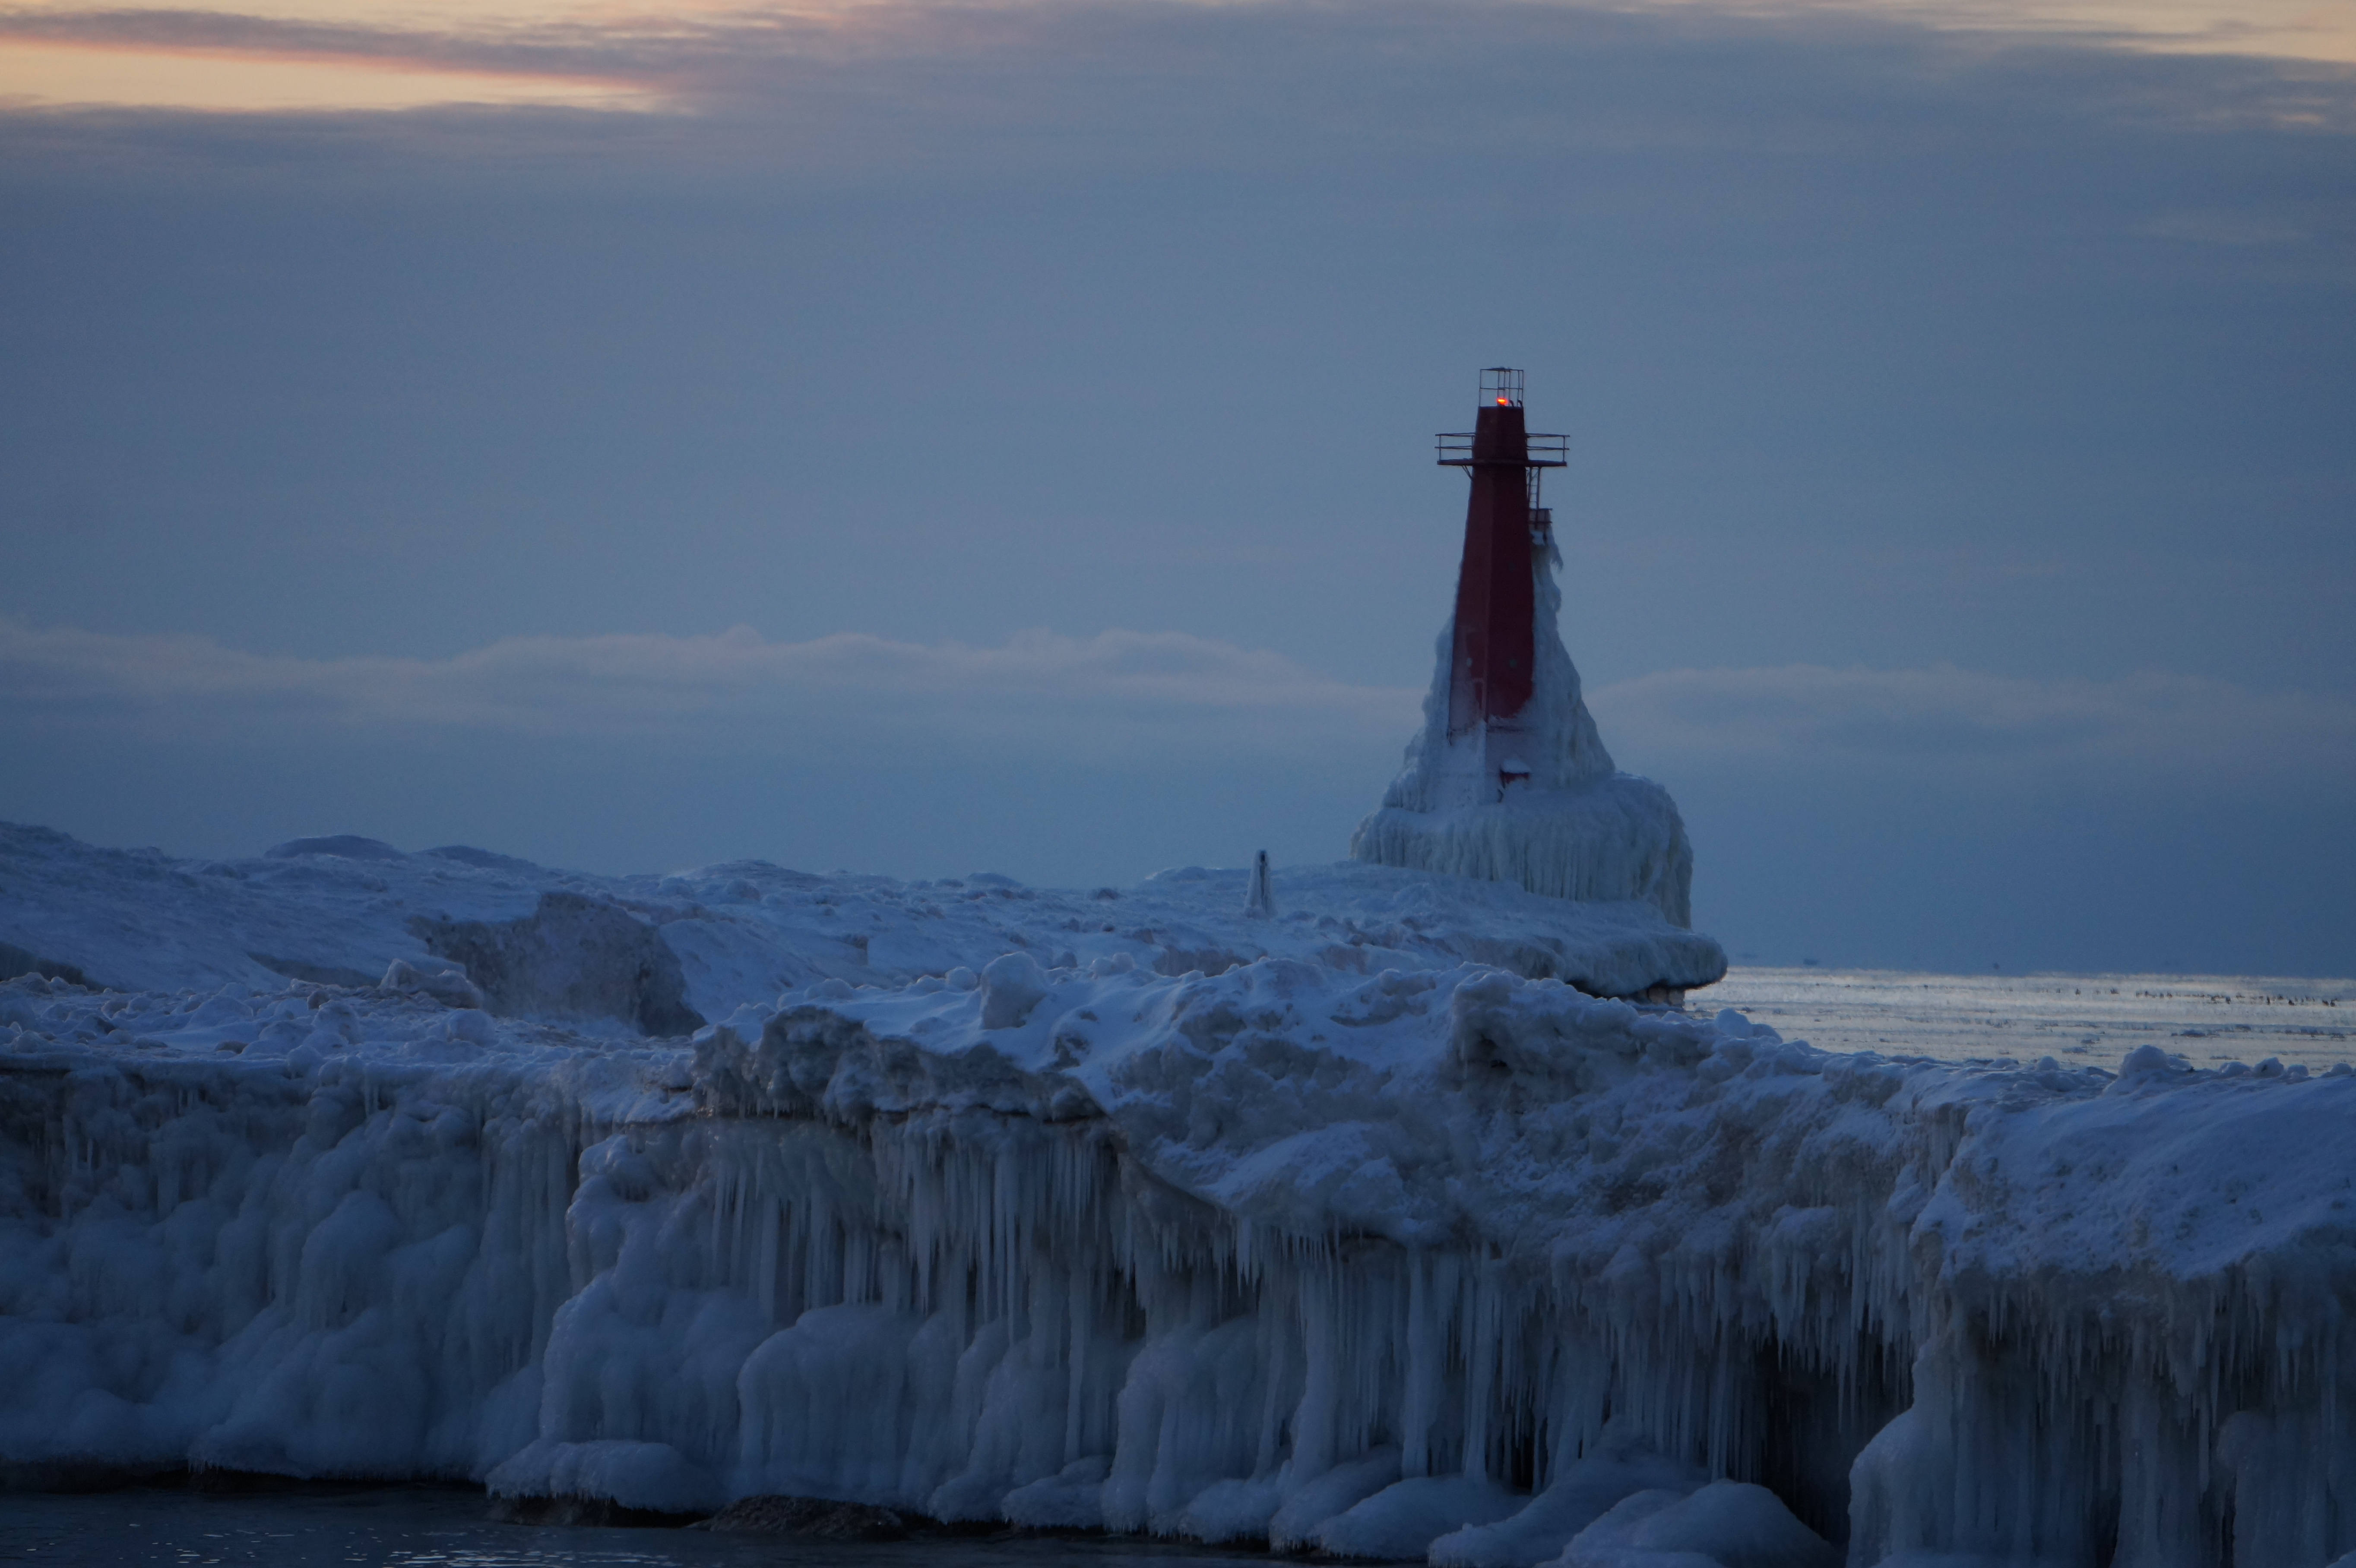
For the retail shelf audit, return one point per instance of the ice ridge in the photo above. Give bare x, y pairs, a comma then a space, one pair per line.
1444, 1262
662, 955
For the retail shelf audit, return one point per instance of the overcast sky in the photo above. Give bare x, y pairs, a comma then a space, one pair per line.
933, 438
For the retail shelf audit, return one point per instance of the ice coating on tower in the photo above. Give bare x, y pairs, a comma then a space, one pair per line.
1531, 797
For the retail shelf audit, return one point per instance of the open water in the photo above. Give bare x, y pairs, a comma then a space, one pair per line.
451, 1527
2078, 1019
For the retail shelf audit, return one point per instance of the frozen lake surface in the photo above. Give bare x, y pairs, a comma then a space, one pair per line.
2209, 1020
451, 1527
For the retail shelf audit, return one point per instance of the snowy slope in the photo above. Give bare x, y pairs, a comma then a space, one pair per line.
746, 931
1431, 1261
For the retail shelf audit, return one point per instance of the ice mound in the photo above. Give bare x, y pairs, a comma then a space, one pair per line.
662, 955
1540, 804
1441, 1260
573, 956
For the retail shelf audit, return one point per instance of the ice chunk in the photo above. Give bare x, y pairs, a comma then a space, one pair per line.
1731, 1524
573, 956
1404, 1518
1012, 984
443, 981
1072, 1499
1234, 1510
650, 1476
1613, 1533
1588, 1489
1330, 1494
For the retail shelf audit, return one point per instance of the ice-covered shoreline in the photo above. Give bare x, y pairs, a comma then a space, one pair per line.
343, 909
1291, 1251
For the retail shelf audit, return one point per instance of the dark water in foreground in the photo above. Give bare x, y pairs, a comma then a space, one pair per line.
393, 1526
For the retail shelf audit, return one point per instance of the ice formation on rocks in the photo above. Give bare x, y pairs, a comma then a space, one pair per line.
1433, 1260
1544, 807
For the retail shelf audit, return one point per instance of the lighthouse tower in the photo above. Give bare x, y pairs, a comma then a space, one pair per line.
1493, 656
1507, 780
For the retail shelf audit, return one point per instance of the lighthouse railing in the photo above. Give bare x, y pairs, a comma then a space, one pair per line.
1455, 449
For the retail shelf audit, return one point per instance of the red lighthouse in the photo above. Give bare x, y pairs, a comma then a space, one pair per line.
1495, 648
1506, 778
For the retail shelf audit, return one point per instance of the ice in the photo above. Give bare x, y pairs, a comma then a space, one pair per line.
650, 1476
2210, 1019
1011, 985
1260, 899
1073, 1498
1611, 1541
1589, 1489
1332, 1492
1404, 1518
443, 981
1373, 1247
347, 846
1538, 803
1730, 1523
664, 954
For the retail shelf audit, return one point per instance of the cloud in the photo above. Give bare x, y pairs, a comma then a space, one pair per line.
1968, 725
1132, 695
204, 59
82, 75
969, 58
1119, 690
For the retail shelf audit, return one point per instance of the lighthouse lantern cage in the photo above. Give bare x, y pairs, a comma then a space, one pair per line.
1501, 385
1501, 388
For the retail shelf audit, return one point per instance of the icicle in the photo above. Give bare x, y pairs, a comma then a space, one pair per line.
1293, 1253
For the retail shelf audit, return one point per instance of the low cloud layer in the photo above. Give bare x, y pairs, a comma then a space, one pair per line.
330, 55
1945, 719
729, 690
1139, 694
1933, 818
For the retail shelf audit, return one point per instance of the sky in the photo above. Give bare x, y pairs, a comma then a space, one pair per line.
926, 438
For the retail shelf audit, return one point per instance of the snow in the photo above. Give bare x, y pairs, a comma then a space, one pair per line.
1373, 1248
1535, 800
714, 939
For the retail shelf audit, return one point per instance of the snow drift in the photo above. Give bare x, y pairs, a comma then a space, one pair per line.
1538, 802
661, 954
1442, 1263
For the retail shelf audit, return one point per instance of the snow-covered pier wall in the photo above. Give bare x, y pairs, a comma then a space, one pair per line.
1439, 1263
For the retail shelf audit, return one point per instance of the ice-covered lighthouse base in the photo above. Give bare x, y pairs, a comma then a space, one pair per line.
1442, 1263
1535, 800
1610, 839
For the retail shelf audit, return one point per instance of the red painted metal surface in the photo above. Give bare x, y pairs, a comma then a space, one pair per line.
1495, 655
